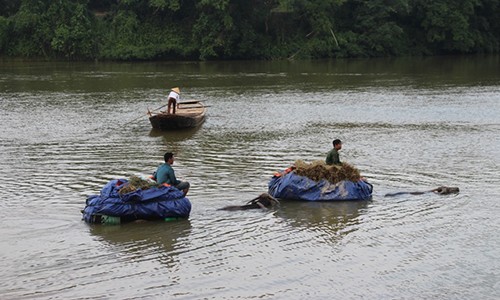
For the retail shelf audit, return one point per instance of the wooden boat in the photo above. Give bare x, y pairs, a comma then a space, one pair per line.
187, 115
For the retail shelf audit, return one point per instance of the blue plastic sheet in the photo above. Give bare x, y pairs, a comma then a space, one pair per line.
294, 187
153, 203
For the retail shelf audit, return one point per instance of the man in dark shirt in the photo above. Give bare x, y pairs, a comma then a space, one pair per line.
332, 158
165, 174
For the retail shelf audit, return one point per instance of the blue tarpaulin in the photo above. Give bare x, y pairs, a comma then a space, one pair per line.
295, 187
153, 203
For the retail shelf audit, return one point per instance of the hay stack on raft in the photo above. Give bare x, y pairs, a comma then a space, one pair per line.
318, 181
135, 183
125, 200
318, 170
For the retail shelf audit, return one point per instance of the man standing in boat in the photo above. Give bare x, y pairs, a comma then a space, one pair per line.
332, 158
173, 98
165, 174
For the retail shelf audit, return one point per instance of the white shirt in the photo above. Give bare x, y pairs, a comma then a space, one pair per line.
174, 95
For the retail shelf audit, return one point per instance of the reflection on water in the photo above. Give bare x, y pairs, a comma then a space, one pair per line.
333, 218
146, 239
331, 214
407, 124
174, 135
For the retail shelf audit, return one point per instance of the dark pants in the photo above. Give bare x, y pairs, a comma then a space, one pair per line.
171, 102
184, 185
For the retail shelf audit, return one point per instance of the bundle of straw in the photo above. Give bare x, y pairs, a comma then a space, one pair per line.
318, 170
135, 183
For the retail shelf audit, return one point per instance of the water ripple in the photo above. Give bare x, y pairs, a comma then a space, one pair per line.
69, 129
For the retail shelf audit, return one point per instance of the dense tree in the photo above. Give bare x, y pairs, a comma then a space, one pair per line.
230, 29
72, 32
102, 5
446, 24
4, 33
315, 25
372, 28
9, 7
246, 29
44, 28
485, 26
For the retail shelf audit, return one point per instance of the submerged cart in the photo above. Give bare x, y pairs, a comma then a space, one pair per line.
155, 203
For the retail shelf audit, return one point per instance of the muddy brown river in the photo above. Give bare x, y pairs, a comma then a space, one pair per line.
408, 124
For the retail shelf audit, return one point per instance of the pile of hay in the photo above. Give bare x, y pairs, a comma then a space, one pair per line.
318, 170
135, 183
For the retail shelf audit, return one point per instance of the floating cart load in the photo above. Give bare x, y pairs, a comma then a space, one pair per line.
320, 182
122, 200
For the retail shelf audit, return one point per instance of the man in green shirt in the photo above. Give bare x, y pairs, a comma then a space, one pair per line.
332, 158
165, 174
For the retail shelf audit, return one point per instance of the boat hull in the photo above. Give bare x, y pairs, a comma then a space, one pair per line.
169, 121
187, 116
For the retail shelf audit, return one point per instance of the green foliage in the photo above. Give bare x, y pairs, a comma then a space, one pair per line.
216, 4
73, 35
350, 45
173, 5
9, 7
242, 29
315, 15
59, 29
448, 26
486, 27
373, 28
29, 39
128, 39
4, 33
209, 34
225, 30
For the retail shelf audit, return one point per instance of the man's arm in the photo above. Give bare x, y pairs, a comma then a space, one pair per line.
171, 176
329, 158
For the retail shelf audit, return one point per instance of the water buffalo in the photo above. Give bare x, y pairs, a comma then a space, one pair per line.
263, 201
442, 190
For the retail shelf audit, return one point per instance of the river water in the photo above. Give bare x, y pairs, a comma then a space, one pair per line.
66, 129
